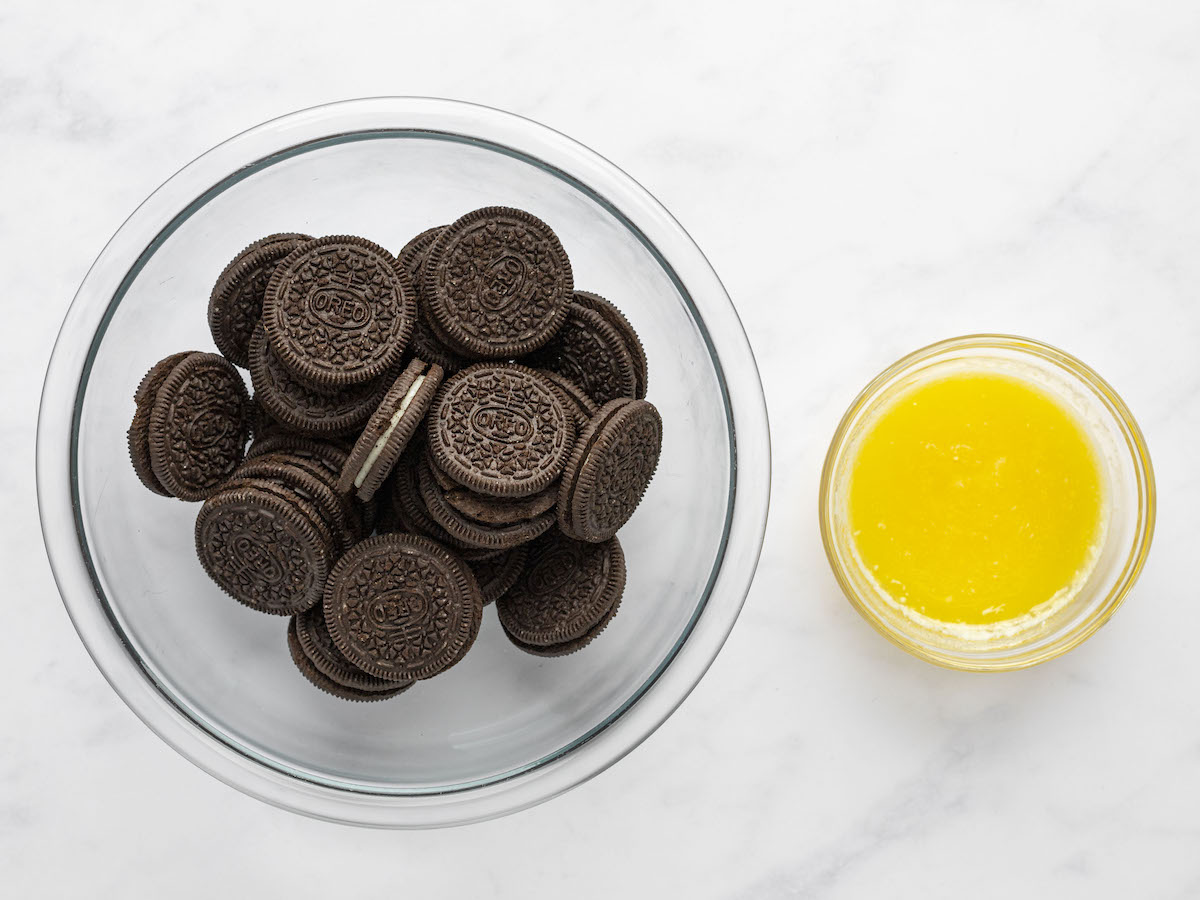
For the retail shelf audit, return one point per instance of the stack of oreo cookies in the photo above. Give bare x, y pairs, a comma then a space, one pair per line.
432, 432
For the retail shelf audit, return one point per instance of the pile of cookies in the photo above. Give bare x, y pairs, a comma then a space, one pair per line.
428, 433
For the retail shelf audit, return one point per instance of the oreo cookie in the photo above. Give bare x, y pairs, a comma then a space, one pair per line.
235, 305
471, 532
303, 481
408, 506
497, 284
497, 575
608, 473
592, 353
621, 325
425, 343
194, 430
339, 311
501, 430
327, 452
390, 428
359, 517
402, 607
323, 682
264, 547
318, 645
138, 435
498, 510
565, 596
581, 405
300, 408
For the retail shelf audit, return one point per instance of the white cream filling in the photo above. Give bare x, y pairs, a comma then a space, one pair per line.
383, 438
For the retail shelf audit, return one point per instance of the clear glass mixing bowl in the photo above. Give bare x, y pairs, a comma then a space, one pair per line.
502, 730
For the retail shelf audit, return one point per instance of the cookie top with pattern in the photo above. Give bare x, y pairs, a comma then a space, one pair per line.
567, 586
198, 427
501, 430
235, 305
319, 647
323, 682
614, 317
401, 606
339, 311
591, 352
299, 407
497, 283
262, 550
610, 469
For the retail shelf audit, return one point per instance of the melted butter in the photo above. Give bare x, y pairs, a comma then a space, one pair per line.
976, 502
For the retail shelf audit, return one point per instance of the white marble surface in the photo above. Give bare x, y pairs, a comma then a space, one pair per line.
866, 176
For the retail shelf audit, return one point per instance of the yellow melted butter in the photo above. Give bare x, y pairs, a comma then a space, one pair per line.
977, 499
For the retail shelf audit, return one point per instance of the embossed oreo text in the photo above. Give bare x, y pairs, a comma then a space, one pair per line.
402, 611
502, 423
254, 561
551, 572
208, 427
339, 307
501, 283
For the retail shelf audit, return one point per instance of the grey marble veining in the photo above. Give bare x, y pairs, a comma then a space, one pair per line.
866, 176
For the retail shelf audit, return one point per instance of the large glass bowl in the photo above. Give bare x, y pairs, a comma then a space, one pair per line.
502, 730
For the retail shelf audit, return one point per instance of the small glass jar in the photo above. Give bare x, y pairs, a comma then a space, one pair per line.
1126, 469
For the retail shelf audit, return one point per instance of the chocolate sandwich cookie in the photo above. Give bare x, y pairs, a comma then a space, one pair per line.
565, 595
445, 481
264, 548
323, 682
293, 475
402, 607
591, 352
491, 510
497, 283
499, 510
500, 429
425, 343
139, 430
235, 305
389, 429
302, 409
411, 517
566, 648
498, 574
329, 453
409, 508
359, 517
469, 531
633, 343
610, 469
413, 255
581, 405
339, 312
198, 426
318, 645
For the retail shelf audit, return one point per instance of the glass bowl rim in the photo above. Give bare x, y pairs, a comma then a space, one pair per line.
580, 167
1134, 442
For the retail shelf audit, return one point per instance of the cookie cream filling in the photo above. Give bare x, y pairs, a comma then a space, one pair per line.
383, 438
